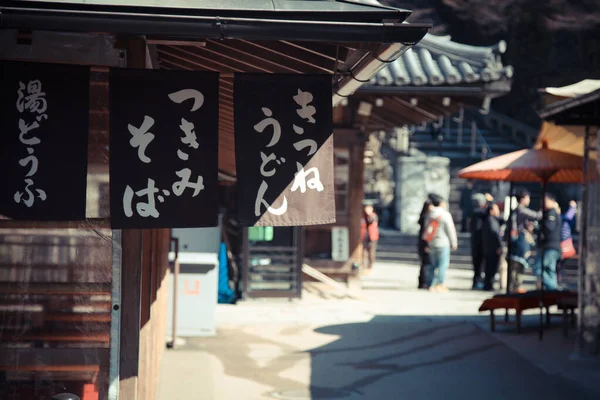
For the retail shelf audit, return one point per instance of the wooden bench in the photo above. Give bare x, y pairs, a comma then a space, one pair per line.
521, 302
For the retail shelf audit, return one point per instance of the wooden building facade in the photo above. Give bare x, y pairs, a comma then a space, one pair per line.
83, 306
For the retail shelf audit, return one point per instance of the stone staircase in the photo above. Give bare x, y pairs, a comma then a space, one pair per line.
398, 247
481, 137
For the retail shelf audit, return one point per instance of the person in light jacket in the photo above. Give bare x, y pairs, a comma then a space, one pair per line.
440, 234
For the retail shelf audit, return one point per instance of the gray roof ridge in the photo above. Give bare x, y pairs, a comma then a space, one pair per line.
438, 61
479, 55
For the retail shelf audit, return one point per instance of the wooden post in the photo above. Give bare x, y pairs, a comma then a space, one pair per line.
131, 278
355, 197
131, 272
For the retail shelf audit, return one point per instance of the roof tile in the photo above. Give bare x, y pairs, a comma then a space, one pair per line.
436, 60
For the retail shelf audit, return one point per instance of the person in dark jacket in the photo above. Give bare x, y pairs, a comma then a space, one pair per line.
492, 245
551, 243
523, 218
477, 217
466, 205
423, 246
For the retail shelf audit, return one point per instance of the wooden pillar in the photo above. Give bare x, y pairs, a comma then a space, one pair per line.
131, 276
131, 271
355, 198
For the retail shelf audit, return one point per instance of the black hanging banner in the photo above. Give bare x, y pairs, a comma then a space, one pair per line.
284, 149
163, 148
44, 121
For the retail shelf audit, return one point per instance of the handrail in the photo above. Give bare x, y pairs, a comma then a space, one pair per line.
486, 150
519, 131
477, 135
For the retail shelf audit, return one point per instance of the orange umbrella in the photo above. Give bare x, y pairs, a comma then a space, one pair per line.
529, 165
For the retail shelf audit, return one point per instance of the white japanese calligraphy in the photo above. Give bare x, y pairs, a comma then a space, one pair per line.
299, 130
182, 156
300, 181
25, 128
269, 121
186, 94
306, 143
144, 209
260, 201
190, 135
184, 174
30, 159
19, 196
142, 138
306, 111
35, 100
266, 160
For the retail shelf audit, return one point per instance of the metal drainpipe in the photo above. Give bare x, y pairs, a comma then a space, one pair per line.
176, 268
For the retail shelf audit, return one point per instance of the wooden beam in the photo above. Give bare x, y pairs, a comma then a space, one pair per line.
131, 272
91, 223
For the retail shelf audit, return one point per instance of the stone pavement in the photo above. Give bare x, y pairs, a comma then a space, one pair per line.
396, 343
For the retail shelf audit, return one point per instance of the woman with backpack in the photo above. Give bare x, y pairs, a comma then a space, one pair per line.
423, 246
441, 238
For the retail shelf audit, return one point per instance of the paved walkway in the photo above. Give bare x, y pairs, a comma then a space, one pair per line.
396, 343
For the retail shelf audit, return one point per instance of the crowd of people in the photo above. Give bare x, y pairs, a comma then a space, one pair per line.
490, 238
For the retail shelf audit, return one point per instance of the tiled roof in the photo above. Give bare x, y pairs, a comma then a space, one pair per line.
438, 61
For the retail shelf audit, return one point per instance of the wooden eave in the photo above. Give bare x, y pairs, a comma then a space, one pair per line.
274, 57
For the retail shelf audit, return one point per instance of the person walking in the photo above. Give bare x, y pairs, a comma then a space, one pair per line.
478, 215
520, 236
492, 245
440, 235
551, 244
466, 205
369, 236
423, 246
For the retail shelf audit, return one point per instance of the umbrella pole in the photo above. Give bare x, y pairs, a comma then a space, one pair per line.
542, 245
509, 245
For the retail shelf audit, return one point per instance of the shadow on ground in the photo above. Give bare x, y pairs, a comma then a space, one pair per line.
394, 357
388, 357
